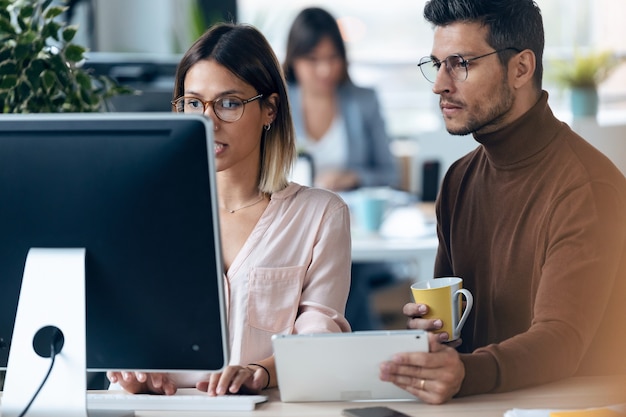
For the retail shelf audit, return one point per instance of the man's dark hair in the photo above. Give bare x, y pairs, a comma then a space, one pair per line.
510, 23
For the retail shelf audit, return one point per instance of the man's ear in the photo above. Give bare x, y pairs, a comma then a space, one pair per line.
522, 68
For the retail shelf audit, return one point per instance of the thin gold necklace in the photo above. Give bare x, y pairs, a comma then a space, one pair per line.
231, 211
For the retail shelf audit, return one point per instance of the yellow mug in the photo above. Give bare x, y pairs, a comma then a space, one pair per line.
443, 298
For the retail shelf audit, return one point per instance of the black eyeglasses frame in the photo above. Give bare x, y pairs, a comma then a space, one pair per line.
463, 63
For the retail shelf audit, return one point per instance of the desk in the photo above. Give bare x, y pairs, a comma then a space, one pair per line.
579, 392
419, 251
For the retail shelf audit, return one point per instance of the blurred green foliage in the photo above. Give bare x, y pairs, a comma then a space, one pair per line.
40, 66
584, 70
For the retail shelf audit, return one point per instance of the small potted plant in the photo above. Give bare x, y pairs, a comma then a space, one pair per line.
40, 67
582, 76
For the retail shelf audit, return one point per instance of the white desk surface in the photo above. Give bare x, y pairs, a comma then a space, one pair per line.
579, 393
377, 248
419, 251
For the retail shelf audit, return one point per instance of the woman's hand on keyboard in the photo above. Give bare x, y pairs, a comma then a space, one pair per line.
142, 382
234, 380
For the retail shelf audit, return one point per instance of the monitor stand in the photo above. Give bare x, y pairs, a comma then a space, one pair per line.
52, 296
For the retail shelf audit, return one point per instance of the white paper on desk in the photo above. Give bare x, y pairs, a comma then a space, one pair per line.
406, 222
520, 412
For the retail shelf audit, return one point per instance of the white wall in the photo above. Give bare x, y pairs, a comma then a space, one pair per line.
609, 139
143, 26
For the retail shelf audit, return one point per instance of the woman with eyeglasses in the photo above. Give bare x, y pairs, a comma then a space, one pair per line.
286, 247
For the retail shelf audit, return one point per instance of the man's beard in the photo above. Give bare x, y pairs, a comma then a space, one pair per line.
491, 116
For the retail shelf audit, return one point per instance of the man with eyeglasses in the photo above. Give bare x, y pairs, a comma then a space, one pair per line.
533, 220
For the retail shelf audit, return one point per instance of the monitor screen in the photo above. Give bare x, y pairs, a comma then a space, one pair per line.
137, 191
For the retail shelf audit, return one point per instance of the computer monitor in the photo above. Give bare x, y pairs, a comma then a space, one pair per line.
137, 192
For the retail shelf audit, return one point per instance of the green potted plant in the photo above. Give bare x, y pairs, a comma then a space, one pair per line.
582, 76
40, 67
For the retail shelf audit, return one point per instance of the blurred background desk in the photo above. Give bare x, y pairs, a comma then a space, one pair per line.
407, 243
407, 234
419, 252
573, 393
412, 259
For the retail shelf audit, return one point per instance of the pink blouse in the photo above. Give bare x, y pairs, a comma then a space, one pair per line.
292, 275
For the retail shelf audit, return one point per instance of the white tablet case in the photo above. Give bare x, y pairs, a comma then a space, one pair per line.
341, 366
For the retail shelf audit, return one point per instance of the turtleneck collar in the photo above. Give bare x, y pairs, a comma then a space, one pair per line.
520, 140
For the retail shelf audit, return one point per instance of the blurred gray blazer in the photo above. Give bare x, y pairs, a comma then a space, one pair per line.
368, 143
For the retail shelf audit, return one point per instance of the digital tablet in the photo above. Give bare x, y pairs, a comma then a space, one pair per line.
341, 366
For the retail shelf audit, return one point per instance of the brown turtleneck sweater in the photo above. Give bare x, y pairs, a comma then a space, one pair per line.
534, 221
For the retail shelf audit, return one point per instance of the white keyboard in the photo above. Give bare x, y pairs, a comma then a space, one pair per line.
183, 400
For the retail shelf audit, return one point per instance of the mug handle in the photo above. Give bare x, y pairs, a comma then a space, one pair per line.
469, 302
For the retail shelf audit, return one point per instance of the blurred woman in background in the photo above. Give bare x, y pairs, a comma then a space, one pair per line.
338, 123
341, 127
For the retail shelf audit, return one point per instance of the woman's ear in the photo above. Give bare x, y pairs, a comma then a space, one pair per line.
271, 108
522, 68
